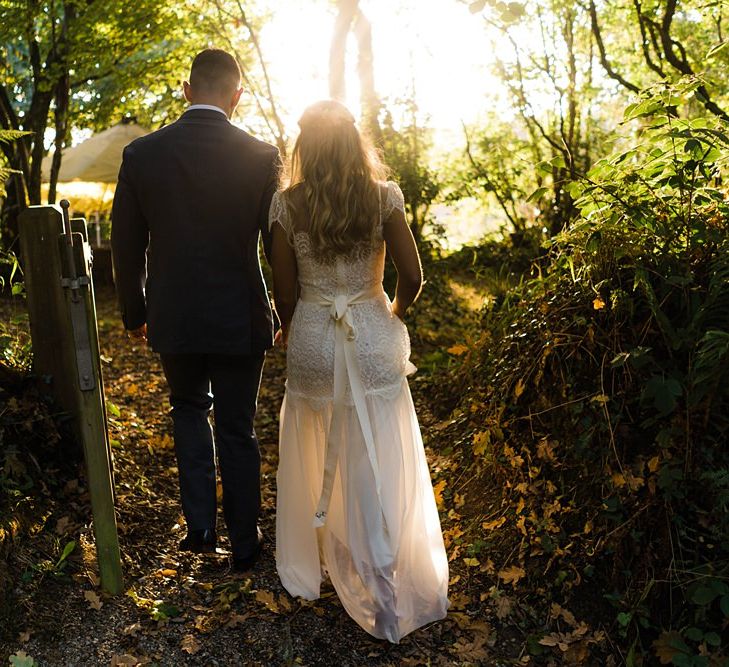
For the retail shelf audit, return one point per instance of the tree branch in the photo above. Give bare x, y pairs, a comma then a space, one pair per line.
645, 43
603, 56
489, 182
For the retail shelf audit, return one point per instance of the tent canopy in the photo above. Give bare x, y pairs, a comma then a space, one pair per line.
98, 158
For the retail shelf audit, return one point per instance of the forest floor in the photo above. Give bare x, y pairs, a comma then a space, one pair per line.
182, 609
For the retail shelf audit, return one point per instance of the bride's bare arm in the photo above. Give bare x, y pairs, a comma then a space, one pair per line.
285, 273
404, 253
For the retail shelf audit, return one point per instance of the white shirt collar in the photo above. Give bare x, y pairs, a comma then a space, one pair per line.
208, 107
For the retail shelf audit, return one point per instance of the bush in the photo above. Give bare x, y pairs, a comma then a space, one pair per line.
604, 387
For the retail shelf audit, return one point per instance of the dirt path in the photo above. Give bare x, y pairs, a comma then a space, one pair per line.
182, 609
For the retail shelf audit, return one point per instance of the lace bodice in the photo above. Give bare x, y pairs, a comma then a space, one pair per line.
382, 343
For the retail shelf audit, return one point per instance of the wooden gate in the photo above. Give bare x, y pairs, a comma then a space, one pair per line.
62, 311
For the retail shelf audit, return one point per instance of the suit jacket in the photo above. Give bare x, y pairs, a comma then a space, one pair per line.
191, 202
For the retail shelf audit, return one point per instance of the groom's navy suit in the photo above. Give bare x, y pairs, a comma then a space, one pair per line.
190, 205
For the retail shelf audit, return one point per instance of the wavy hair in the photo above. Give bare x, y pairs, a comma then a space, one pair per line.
338, 172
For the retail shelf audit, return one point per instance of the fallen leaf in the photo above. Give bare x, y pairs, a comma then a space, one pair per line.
492, 525
126, 659
503, 606
62, 525
268, 600
132, 630
519, 389
93, 599
190, 645
438, 492
166, 573
471, 651
24, 636
22, 659
512, 575
471, 562
598, 303
237, 619
458, 349
481, 442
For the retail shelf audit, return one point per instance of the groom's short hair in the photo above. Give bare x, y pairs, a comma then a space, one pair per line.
215, 71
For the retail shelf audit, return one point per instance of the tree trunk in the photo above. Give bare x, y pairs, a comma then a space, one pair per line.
61, 120
63, 93
369, 101
338, 51
351, 18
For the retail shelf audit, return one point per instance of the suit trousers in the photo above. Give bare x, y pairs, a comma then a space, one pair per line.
227, 385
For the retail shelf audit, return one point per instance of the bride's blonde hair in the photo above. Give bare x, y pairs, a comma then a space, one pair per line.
338, 172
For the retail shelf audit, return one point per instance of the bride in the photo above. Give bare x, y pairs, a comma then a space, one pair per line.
355, 501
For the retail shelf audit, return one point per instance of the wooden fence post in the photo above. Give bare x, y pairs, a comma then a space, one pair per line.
62, 313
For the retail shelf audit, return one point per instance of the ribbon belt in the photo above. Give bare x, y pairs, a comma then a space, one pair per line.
346, 367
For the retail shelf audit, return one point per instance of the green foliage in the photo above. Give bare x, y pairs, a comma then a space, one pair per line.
406, 150
606, 387
15, 351
6, 137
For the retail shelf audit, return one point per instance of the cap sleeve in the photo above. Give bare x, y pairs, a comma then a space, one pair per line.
278, 212
393, 200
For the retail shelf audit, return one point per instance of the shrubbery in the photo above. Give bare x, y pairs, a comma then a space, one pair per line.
602, 395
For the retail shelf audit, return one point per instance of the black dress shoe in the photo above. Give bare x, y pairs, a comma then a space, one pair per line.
199, 541
246, 563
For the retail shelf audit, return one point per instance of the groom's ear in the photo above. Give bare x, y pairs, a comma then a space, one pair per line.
187, 90
235, 99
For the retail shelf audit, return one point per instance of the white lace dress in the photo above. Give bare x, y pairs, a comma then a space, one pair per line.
355, 500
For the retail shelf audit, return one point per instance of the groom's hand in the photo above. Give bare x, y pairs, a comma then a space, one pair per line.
138, 334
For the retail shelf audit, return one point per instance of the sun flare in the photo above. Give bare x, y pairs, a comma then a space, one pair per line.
418, 49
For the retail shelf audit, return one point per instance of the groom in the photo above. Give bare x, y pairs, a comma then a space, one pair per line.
191, 202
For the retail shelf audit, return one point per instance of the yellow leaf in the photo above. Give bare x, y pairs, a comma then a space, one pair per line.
492, 525
598, 303
545, 450
520, 505
519, 389
600, 398
459, 500
618, 479
480, 442
512, 575
166, 573
471, 562
132, 389
438, 492
267, 599
653, 464
458, 349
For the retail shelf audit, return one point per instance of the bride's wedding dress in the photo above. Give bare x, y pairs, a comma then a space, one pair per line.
355, 500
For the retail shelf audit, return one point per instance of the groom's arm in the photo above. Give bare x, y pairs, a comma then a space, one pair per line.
272, 184
129, 241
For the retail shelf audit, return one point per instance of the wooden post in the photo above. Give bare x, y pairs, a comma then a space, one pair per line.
62, 313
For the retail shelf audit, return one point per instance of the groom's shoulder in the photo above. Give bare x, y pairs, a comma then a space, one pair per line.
150, 141
254, 144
